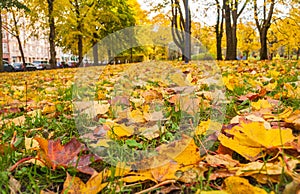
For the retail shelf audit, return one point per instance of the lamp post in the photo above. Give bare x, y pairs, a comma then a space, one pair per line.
187, 33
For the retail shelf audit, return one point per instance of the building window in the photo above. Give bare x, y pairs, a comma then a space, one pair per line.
5, 47
4, 35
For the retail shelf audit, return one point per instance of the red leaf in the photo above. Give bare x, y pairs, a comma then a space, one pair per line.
70, 154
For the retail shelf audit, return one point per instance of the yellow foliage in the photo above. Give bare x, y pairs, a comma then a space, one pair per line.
238, 185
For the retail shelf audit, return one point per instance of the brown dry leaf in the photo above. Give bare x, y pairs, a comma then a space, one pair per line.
151, 132
238, 185
18, 121
220, 159
14, 185
101, 107
31, 144
212, 192
251, 117
221, 173
265, 168
265, 179
164, 172
292, 188
150, 95
191, 173
154, 116
294, 120
185, 102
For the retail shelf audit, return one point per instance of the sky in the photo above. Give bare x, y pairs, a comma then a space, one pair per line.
208, 17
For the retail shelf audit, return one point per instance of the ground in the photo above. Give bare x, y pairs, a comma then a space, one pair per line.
153, 126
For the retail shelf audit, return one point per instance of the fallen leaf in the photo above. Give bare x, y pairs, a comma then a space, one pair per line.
184, 151
237, 185
164, 172
31, 144
294, 120
292, 188
268, 138
119, 130
220, 159
67, 155
14, 185
251, 139
261, 104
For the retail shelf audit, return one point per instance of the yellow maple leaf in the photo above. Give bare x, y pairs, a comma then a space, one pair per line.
240, 185
250, 139
184, 151
250, 153
136, 116
268, 138
207, 125
120, 130
261, 104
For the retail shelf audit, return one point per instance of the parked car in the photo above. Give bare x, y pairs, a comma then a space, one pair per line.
61, 64
72, 64
30, 67
18, 66
39, 64
7, 67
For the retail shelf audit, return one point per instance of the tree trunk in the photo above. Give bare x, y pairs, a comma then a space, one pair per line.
80, 50
21, 49
230, 39
231, 16
219, 31
263, 26
17, 35
51, 34
298, 53
1, 48
247, 54
79, 29
263, 45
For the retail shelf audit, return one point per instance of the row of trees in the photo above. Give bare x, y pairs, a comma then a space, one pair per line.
264, 14
77, 25
266, 18
74, 25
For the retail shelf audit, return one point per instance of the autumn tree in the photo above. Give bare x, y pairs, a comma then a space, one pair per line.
4, 5
232, 12
283, 34
15, 25
247, 38
88, 22
219, 29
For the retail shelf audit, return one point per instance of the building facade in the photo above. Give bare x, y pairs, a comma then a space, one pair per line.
34, 47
